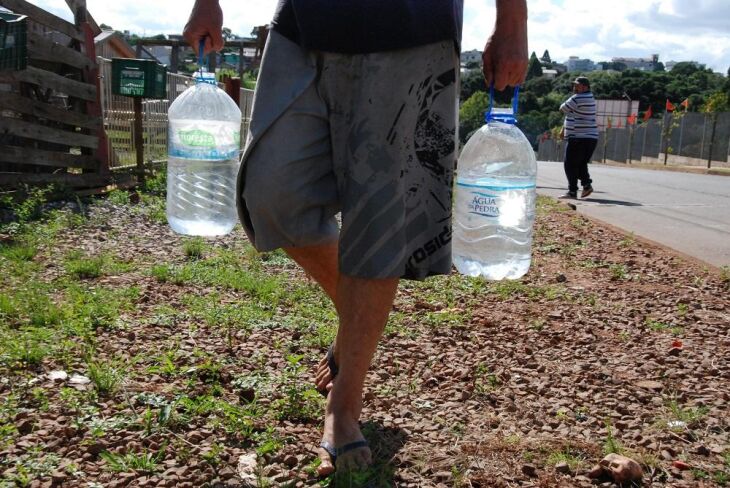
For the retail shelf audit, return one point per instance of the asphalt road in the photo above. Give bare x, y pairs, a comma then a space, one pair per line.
686, 212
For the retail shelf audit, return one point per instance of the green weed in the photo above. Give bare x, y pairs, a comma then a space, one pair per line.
18, 252
81, 267
145, 462
618, 271
118, 197
105, 376
484, 381
574, 460
612, 445
299, 402
687, 416
26, 348
194, 248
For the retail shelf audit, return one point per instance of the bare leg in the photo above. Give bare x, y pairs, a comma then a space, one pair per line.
364, 308
321, 264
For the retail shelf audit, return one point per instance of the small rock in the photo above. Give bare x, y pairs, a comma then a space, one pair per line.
25, 427
666, 455
529, 470
561, 278
702, 450
58, 376
291, 461
675, 351
58, 477
247, 467
77, 379
650, 385
621, 468
681, 465
562, 467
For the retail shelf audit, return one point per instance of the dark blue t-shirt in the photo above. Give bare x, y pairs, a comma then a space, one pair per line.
362, 26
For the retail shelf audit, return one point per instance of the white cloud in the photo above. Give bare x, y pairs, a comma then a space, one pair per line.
697, 30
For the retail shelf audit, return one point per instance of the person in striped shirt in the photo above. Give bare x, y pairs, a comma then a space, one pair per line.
581, 131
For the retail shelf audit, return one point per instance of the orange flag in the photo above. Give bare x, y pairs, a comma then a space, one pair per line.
685, 104
631, 119
618, 124
647, 114
670, 107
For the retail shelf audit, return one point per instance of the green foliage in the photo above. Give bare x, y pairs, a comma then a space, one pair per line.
118, 197
534, 68
194, 247
145, 462
300, 402
82, 267
541, 97
471, 114
717, 102
105, 376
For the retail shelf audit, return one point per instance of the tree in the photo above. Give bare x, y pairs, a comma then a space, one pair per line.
717, 102
472, 82
105, 27
534, 69
227, 34
546, 57
471, 114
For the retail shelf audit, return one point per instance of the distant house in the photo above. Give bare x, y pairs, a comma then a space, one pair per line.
111, 44
577, 64
549, 73
642, 64
473, 56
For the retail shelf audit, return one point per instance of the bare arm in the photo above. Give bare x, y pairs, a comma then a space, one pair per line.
505, 55
205, 22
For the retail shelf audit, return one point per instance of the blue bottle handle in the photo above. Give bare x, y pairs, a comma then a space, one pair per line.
202, 60
502, 117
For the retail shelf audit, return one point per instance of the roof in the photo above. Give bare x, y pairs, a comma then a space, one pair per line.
117, 41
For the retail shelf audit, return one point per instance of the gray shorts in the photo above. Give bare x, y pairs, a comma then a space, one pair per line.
372, 136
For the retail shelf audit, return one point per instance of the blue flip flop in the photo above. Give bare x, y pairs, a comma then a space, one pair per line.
334, 452
332, 365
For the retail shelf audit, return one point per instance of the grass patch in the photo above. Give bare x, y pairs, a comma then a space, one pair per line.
82, 267
194, 248
118, 197
145, 462
105, 376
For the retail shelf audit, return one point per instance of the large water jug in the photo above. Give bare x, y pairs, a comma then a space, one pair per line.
204, 138
494, 202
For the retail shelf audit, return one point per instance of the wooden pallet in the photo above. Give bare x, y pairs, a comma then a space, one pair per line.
51, 129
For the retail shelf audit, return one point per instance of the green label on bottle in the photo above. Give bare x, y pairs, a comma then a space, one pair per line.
197, 138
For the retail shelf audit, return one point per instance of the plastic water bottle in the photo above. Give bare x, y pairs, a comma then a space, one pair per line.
204, 138
494, 203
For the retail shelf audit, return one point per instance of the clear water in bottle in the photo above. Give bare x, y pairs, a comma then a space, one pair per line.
203, 160
494, 203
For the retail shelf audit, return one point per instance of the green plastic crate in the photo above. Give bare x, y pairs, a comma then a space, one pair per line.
13, 42
139, 78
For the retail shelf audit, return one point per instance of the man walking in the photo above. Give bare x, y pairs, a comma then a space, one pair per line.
581, 131
355, 112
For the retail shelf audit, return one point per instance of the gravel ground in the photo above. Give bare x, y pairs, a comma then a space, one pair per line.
607, 345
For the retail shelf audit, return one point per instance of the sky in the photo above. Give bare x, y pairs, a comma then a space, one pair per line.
677, 30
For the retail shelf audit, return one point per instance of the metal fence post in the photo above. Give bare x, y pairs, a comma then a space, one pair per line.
712, 139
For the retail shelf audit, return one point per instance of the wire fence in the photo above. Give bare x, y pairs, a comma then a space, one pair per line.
118, 113
686, 139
